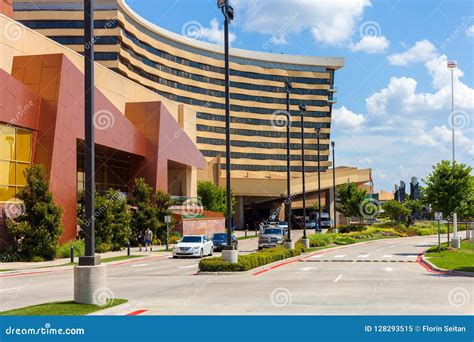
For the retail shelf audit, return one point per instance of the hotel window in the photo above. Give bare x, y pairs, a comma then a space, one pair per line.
15, 157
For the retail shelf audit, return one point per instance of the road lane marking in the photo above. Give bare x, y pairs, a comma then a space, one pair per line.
13, 288
339, 256
317, 256
338, 278
139, 265
411, 256
190, 266
306, 268
363, 255
388, 269
387, 256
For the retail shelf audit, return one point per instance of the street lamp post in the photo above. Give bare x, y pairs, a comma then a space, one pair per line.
89, 275
456, 241
229, 254
302, 108
333, 144
318, 131
288, 88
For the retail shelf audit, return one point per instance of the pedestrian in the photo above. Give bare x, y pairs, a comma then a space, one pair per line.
148, 238
140, 240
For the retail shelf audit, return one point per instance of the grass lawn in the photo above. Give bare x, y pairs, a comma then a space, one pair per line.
453, 259
119, 258
61, 309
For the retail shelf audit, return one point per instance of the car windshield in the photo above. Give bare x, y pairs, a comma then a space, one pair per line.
221, 236
191, 239
272, 231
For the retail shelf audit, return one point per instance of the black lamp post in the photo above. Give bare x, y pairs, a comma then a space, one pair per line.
303, 170
333, 144
288, 88
89, 259
228, 12
318, 131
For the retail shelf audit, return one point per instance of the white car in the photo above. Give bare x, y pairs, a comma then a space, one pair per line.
193, 245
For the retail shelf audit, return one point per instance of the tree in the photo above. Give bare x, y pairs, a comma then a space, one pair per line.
214, 197
162, 202
349, 200
112, 221
37, 228
144, 213
395, 210
449, 188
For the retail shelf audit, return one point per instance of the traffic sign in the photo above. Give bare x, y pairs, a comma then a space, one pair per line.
438, 216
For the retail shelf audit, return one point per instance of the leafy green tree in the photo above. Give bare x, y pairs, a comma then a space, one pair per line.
37, 228
112, 221
349, 200
144, 213
213, 197
395, 210
449, 188
162, 202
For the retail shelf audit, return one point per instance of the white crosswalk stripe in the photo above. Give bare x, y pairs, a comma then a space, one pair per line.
363, 256
339, 256
387, 256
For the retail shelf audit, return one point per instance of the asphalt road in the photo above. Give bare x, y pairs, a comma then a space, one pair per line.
380, 278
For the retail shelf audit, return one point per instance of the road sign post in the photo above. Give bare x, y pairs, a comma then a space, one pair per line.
167, 221
438, 217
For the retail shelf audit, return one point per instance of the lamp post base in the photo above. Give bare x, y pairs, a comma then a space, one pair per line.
456, 242
305, 243
90, 285
230, 255
289, 244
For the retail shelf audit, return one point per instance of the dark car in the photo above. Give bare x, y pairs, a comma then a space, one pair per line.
220, 241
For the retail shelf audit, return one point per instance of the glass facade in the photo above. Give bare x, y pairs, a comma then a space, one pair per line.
15, 157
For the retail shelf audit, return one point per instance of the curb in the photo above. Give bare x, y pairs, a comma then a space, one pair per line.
435, 268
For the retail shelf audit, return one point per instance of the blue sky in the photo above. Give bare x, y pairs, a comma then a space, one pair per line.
394, 99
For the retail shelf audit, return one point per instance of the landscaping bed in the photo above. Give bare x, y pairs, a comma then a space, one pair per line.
69, 308
451, 258
249, 261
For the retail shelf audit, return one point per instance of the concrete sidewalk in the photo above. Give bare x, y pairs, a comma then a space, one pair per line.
13, 266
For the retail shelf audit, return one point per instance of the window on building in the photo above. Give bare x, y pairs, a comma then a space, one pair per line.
15, 157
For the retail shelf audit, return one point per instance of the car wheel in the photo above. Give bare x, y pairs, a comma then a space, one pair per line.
175, 257
211, 251
201, 253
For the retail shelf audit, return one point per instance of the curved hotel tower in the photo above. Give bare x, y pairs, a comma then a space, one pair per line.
190, 73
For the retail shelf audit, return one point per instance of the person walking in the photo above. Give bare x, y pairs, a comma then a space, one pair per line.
140, 240
148, 238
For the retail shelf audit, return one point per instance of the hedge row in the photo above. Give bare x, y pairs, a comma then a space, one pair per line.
249, 261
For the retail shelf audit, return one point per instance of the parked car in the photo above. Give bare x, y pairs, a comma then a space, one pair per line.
325, 221
284, 225
271, 237
220, 241
193, 245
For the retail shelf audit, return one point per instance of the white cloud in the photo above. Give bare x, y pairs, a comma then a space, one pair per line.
370, 44
422, 51
213, 33
470, 31
330, 22
343, 118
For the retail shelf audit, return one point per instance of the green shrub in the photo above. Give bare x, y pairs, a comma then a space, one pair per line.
174, 240
64, 250
320, 240
249, 261
351, 228
344, 240
10, 254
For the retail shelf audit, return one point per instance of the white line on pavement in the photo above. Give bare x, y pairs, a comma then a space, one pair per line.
412, 256
388, 269
306, 268
317, 256
338, 278
339, 256
363, 256
190, 266
139, 265
387, 256
13, 288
